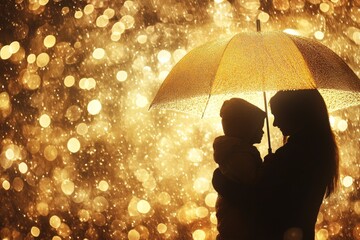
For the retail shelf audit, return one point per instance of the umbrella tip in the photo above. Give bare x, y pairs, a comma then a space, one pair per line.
258, 25
150, 106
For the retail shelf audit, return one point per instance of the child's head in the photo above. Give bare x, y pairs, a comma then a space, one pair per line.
242, 120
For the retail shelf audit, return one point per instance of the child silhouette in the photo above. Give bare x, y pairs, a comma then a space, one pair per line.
239, 161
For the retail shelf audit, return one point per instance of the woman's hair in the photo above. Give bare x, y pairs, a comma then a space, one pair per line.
308, 110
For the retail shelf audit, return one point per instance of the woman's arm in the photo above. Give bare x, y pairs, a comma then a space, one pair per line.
232, 189
229, 189
241, 166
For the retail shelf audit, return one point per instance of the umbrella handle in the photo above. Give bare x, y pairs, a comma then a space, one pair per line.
267, 124
258, 29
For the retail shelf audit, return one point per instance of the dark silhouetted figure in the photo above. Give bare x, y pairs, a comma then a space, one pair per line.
238, 161
292, 182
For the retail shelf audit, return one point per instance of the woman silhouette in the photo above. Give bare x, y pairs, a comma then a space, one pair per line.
292, 182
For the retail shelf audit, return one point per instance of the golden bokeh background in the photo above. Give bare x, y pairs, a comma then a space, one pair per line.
81, 157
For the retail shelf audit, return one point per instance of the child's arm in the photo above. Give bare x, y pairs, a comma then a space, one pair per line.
237, 160
241, 166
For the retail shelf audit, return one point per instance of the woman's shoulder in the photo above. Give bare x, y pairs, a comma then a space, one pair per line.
302, 152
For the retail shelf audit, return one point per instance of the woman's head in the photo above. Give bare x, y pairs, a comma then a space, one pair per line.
300, 110
243, 120
304, 111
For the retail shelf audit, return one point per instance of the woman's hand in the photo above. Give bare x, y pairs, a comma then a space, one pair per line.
269, 158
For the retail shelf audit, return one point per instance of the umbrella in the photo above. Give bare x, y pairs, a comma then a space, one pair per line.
247, 64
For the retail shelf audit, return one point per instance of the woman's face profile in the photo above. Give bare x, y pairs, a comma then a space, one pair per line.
284, 122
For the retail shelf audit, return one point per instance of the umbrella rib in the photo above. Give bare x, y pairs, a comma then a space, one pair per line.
213, 80
276, 62
312, 85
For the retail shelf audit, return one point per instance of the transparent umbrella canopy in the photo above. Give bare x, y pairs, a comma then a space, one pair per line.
249, 63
